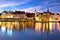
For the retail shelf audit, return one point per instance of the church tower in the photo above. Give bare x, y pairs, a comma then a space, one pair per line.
35, 14
48, 10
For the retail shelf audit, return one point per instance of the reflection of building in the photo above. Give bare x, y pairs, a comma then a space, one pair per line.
46, 19
22, 15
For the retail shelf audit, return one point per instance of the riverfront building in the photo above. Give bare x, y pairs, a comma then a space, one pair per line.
22, 15
10, 19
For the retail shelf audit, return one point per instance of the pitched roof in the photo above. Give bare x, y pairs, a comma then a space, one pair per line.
30, 14
20, 12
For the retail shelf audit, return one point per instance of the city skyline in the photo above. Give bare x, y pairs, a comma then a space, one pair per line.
30, 5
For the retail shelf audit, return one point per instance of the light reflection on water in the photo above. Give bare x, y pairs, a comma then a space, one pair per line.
30, 30
9, 32
37, 26
47, 26
3, 29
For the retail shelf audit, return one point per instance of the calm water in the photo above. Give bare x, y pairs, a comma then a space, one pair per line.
40, 31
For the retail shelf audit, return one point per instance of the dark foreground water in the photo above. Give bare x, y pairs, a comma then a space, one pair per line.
29, 34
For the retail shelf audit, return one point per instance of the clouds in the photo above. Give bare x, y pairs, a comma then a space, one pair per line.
54, 6
32, 9
6, 3
11, 4
30, 5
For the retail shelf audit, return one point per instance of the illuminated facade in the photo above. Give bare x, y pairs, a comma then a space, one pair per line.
47, 16
16, 19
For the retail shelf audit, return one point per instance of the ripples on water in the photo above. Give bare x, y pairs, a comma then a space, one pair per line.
29, 31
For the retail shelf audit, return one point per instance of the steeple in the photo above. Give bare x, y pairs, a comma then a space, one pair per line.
48, 10
35, 14
35, 10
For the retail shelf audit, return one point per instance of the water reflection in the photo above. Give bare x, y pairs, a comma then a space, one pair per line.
9, 32
47, 26
8, 27
50, 26
37, 26
3, 29
58, 26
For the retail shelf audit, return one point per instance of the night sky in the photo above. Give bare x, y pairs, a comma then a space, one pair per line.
30, 5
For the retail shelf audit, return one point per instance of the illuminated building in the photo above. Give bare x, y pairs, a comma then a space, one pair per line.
17, 16
30, 16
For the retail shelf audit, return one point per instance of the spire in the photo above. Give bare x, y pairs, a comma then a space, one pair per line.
48, 10
35, 10
35, 14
